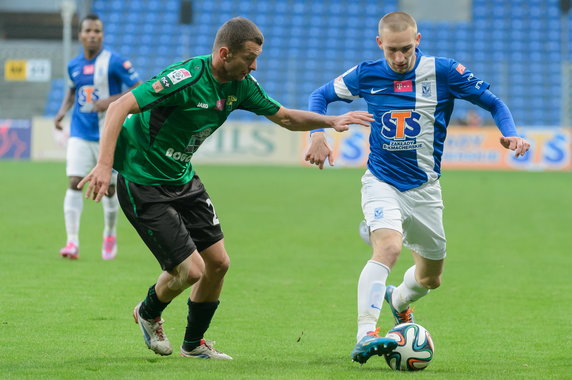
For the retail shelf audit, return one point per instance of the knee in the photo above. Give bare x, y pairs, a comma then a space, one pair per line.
430, 282
220, 266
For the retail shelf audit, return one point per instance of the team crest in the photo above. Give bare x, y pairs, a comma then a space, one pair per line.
426, 89
179, 75
229, 102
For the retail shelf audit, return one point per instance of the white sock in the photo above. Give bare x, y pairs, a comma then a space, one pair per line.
73, 205
408, 291
110, 207
371, 290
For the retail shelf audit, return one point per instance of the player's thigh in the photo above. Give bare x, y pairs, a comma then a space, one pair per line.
157, 221
381, 204
423, 227
199, 215
81, 157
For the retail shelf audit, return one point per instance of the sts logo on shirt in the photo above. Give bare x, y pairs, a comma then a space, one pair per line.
87, 96
401, 128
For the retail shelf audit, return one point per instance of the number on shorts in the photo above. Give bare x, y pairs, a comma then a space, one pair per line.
215, 218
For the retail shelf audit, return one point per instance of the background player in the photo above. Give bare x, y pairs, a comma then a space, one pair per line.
169, 118
95, 79
411, 97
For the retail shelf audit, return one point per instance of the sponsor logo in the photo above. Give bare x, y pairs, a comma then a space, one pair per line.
179, 75
426, 89
165, 82
479, 84
402, 86
461, 69
220, 104
373, 91
88, 69
178, 156
400, 125
378, 213
157, 86
75, 74
127, 65
202, 105
86, 97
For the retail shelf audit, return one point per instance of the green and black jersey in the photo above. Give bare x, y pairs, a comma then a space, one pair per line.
180, 107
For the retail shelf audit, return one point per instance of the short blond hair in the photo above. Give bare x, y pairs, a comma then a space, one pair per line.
397, 22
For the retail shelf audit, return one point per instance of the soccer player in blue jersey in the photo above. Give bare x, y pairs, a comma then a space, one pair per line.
411, 96
96, 78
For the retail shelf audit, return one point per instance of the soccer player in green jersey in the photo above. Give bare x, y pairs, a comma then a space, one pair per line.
149, 137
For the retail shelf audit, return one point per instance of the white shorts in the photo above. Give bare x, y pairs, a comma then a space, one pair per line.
417, 214
81, 157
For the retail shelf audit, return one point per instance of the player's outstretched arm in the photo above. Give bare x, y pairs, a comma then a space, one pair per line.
518, 144
319, 150
297, 120
100, 176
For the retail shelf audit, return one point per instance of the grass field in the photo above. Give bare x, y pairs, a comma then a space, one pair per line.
288, 307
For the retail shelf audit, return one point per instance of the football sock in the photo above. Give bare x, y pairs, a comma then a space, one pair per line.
151, 307
110, 207
371, 290
73, 205
198, 321
408, 291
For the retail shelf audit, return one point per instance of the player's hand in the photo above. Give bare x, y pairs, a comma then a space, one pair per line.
343, 122
99, 179
58, 122
518, 144
319, 150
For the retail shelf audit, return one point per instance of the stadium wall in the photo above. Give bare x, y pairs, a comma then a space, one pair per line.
263, 143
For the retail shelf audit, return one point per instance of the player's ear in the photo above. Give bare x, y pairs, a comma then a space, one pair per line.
379, 42
417, 39
224, 53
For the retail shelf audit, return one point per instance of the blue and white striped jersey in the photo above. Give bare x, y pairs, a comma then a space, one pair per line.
95, 79
411, 112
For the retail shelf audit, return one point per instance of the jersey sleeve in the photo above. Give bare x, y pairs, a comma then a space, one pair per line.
346, 85
125, 71
69, 80
256, 100
462, 82
170, 88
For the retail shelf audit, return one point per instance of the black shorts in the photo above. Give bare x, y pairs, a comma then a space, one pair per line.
173, 221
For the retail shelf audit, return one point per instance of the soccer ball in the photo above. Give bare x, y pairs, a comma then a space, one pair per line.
414, 347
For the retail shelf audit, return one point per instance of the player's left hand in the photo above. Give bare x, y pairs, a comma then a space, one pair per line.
343, 122
518, 144
99, 179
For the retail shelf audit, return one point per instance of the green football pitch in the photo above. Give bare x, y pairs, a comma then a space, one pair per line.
288, 309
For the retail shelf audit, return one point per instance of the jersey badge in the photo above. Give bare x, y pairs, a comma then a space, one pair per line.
179, 75
220, 104
127, 65
229, 102
461, 69
157, 86
426, 89
165, 82
402, 86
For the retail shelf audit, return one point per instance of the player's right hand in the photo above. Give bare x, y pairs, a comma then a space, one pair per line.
99, 179
319, 150
343, 122
58, 122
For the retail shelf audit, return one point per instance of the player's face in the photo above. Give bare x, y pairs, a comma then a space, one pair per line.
91, 35
240, 63
399, 49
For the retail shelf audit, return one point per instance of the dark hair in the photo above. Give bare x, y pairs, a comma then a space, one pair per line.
91, 17
235, 32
